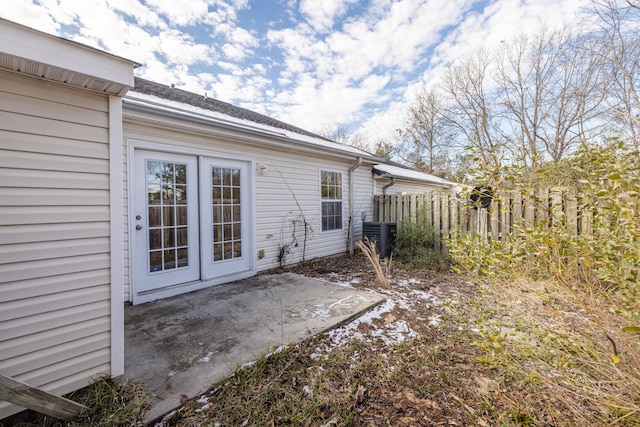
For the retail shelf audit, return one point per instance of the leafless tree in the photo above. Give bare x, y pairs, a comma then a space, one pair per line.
548, 91
472, 108
341, 134
619, 53
427, 137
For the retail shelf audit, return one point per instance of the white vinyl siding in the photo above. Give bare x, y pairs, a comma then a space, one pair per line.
287, 193
54, 235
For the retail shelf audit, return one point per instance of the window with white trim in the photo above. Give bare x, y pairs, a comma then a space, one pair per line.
331, 200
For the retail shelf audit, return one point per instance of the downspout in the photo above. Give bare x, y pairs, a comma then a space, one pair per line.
351, 203
384, 189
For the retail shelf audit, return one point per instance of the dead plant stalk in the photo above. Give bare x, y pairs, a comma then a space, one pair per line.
382, 268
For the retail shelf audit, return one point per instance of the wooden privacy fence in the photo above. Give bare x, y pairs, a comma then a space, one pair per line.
446, 212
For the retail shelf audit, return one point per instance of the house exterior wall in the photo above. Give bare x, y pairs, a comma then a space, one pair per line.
287, 191
54, 235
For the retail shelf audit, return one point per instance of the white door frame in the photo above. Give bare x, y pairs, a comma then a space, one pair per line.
137, 297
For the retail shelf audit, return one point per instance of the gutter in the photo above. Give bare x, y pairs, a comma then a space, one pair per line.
351, 202
384, 189
137, 106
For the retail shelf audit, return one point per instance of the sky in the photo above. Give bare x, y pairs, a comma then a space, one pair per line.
316, 64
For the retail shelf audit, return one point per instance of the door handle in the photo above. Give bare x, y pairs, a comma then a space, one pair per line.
138, 227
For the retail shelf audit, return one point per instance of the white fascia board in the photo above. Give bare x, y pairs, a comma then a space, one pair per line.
34, 45
159, 112
388, 171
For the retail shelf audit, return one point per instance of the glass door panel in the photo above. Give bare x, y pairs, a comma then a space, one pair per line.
225, 238
165, 229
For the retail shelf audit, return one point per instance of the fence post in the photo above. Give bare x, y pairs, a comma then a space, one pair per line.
556, 207
445, 203
494, 225
571, 213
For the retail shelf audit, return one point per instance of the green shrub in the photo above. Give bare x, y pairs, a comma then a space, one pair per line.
417, 245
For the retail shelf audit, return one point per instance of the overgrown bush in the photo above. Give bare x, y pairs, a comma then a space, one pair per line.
599, 266
603, 259
416, 244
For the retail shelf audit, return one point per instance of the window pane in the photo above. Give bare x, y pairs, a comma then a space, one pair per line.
154, 216
226, 195
181, 194
237, 250
181, 174
228, 251
182, 235
236, 213
236, 195
167, 173
155, 239
226, 177
168, 217
217, 251
181, 215
167, 195
226, 214
155, 261
237, 231
235, 178
183, 257
169, 259
217, 195
216, 176
153, 172
153, 194
217, 214
169, 238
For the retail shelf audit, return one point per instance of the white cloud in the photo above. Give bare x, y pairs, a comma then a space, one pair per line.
180, 48
322, 65
321, 14
30, 15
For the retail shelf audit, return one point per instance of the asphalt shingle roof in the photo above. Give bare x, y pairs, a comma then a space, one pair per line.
174, 94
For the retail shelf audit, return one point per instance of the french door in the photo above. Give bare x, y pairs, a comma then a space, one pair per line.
190, 221
225, 217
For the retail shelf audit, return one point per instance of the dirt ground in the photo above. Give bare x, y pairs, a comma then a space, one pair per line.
443, 350
445, 392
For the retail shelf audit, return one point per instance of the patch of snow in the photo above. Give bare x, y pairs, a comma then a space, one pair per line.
307, 390
427, 297
203, 399
406, 282
395, 332
348, 301
435, 320
203, 408
206, 359
171, 373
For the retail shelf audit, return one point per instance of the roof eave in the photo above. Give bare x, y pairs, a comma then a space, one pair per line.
383, 175
32, 53
132, 106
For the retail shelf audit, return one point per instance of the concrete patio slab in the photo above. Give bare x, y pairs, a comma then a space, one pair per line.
180, 346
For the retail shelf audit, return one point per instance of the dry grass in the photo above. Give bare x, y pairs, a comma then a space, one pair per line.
381, 267
109, 403
517, 353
